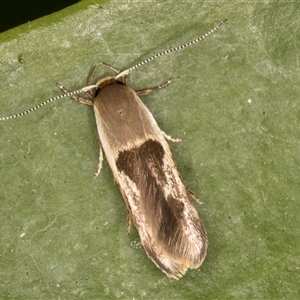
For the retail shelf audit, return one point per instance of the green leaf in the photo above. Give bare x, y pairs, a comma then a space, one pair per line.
234, 102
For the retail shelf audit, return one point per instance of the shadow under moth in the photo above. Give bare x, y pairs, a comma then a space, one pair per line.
158, 202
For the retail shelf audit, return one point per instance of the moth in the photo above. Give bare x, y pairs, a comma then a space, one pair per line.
158, 202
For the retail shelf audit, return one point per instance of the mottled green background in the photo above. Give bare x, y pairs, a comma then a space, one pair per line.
234, 102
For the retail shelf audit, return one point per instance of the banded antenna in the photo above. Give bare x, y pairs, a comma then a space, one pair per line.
84, 89
127, 71
120, 75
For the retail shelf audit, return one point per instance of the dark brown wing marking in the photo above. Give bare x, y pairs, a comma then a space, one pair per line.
163, 214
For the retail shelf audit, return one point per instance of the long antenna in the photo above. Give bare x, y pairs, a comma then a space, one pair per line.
84, 89
121, 74
127, 71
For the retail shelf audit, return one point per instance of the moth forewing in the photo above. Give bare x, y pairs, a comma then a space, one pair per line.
156, 198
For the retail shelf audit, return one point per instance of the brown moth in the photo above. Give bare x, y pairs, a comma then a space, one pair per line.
158, 202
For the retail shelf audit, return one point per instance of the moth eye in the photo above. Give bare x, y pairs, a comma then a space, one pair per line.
120, 112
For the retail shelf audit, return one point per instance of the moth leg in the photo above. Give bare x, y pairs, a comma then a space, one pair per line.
100, 163
128, 227
123, 78
150, 90
75, 97
90, 80
168, 137
194, 196
110, 67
